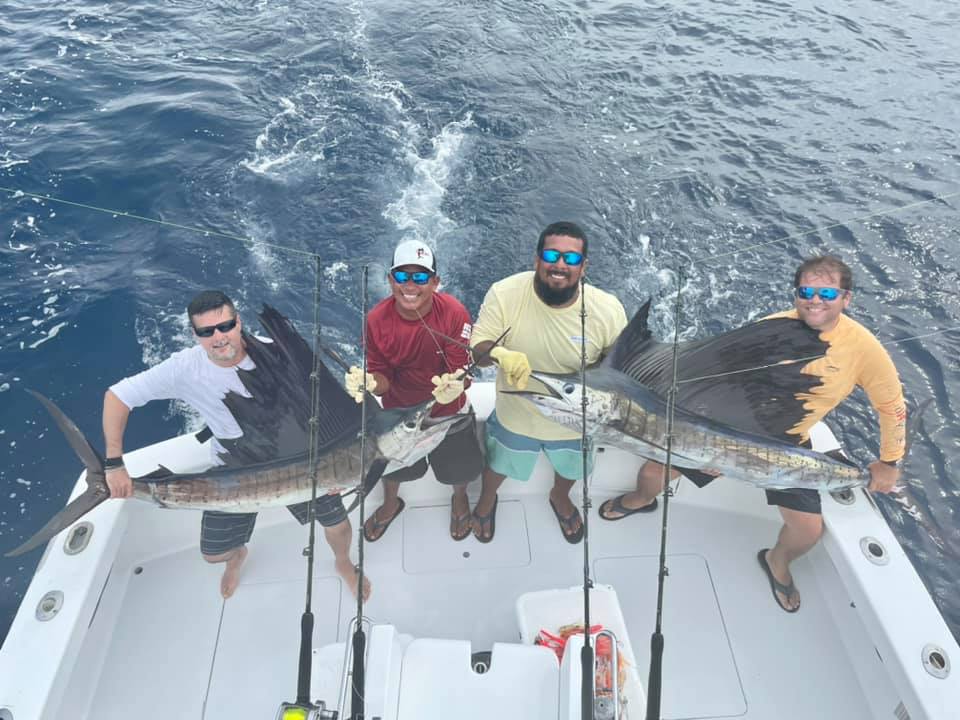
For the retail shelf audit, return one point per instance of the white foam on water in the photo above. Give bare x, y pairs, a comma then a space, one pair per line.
7, 162
4, 387
418, 211
51, 334
268, 158
335, 270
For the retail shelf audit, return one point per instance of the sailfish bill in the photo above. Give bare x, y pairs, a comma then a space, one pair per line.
269, 464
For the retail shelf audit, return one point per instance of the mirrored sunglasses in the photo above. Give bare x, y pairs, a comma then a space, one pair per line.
570, 257
827, 294
419, 278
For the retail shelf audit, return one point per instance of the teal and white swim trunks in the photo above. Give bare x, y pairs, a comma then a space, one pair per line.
516, 455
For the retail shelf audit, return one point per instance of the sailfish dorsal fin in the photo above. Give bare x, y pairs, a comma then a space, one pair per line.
750, 378
275, 419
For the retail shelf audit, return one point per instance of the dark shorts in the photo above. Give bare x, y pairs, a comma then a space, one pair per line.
221, 532
800, 499
455, 461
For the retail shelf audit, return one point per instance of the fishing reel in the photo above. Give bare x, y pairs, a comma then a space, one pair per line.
308, 711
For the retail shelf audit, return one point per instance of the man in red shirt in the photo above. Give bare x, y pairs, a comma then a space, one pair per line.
417, 349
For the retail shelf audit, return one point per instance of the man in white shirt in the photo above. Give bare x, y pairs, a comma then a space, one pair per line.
201, 376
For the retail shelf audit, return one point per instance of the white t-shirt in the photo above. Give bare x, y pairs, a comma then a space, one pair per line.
189, 375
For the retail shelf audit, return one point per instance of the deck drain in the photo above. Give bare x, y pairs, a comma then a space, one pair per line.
49, 605
844, 497
78, 538
936, 661
874, 550
480, 662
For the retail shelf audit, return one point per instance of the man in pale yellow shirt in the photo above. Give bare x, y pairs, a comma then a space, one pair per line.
542, 311
822, 291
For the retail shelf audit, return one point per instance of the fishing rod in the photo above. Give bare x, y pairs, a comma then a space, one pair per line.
303, 708
588, 672
655, 679
359, 637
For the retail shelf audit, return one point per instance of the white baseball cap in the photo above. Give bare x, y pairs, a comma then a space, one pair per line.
414, 252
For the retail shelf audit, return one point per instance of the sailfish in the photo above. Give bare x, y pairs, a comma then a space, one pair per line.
737, 405
269, 464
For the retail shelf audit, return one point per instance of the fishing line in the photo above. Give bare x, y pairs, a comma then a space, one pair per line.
588, 671
793, 361
433, 337
164, 223
655, 678
707, 260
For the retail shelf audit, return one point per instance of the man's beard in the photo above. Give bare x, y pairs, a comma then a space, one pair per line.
223, 354
551, 296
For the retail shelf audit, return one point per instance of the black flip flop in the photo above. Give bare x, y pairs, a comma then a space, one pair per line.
381, 525
616, 505
775, 585
457, 519
566, 522
490, 517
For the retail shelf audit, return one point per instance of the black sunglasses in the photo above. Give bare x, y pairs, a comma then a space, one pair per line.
224, 327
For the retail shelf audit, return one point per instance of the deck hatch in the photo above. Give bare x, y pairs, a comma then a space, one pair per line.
427, 547
691, 619
257, 650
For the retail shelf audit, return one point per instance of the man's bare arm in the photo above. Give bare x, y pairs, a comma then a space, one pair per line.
115, 415
482, 350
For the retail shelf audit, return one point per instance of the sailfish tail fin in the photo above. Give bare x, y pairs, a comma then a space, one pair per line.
96, 492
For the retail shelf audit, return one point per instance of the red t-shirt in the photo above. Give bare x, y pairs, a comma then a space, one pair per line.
408, 354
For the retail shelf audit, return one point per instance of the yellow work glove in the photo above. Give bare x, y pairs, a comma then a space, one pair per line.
514, 365
353, 382
448, 387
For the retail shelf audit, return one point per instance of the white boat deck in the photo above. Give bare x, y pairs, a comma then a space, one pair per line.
152, 635
174, 648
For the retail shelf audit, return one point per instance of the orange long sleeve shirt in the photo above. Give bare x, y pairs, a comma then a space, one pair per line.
855, 357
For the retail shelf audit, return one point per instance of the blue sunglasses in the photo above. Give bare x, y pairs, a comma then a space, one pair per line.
570, 257
419, 278
827, 294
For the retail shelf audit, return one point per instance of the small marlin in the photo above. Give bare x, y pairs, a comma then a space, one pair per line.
726, 422
268, 465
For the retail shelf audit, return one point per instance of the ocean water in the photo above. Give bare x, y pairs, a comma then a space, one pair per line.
675, 132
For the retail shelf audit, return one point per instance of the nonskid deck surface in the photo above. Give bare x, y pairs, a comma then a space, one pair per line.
173, 648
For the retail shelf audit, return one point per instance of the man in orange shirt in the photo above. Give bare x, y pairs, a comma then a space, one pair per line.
822, 291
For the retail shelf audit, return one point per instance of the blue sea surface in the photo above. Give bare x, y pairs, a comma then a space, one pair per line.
675, 132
